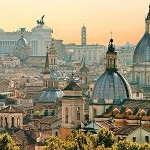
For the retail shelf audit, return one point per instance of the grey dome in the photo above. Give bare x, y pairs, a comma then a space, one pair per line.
22, 43
50, 95
111, 86
142, 50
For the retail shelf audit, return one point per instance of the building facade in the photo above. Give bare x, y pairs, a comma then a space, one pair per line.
93, 53
141, 58
39, 38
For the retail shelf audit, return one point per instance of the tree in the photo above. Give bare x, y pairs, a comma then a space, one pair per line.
127, 145
105, 137
144, 146
53, 143
80, 140
6, 143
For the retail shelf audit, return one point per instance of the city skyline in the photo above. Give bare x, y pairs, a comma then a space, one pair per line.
126, 19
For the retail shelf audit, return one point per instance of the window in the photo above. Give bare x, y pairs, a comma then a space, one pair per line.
6, 122
119, 139
66, 115
12, 122
78, 113
46, 84
147, 139
134, 139
1, 123
137, 94
149, 79
56, 133
94, 112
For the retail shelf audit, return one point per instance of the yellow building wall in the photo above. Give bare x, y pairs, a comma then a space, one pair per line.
64, 133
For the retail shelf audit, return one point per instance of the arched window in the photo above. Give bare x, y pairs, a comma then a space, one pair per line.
78, 113
51, 61
46, 84
12, 122
94, 112
66, 115
6, 122
148, 79
1, 123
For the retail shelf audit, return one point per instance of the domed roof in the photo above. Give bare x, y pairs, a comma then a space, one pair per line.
22, 43
50, 95
111, 86
142, 50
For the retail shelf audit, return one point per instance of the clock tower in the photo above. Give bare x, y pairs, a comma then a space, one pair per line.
83, 36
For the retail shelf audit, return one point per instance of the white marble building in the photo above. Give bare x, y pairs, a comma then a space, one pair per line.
93, 53
39, 38
87, 53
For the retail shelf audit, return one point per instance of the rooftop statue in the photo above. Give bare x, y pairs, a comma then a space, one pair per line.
40, 22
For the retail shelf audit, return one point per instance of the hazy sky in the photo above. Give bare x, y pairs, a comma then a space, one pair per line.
126, 18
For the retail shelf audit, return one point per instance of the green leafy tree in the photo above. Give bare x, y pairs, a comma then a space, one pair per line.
6, 143
127, 145
69, 145
144, 146
105, 137
53, 143
101, 147
94, 140
80, 140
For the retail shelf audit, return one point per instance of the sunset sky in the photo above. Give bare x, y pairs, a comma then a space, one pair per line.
125, 18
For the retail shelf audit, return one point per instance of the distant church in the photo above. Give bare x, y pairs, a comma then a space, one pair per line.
141, 60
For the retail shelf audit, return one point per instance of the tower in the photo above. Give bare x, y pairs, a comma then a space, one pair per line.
72, 109
83, 36
52, 54
46, 73
111, 57
147, 22
84, 74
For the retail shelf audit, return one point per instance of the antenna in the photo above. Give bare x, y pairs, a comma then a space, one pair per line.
111, 34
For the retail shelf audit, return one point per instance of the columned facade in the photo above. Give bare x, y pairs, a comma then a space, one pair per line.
11, 117
39, 38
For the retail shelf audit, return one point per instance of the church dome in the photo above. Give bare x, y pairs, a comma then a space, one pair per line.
111, 86
50, 95
22, 43
142, 50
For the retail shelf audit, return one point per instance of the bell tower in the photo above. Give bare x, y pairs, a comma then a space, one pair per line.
52, 54
111, 57
46, 73
83, 36
73, 105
